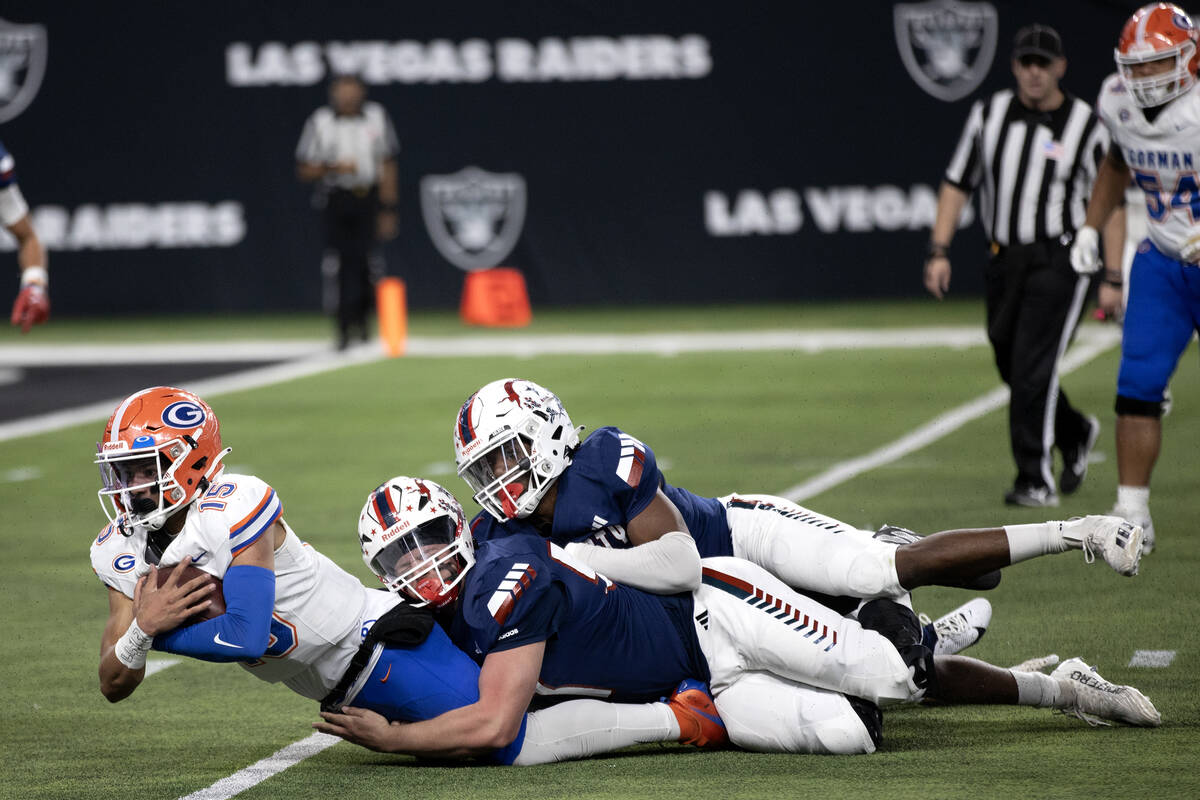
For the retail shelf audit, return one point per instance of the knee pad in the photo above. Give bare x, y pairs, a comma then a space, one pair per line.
872, 572
900, 626
1132, 407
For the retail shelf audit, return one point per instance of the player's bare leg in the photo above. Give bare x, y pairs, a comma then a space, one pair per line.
1139, 439
950, 557
1073, 687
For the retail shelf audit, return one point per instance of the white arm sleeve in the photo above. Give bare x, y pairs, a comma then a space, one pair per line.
13, 207
668, 565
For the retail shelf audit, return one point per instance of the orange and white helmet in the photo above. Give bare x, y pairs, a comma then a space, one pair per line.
163, 439
1156, 32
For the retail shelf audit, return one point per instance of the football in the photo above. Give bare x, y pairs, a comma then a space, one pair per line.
217, 596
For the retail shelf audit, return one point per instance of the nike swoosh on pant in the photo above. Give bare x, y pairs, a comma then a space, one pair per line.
388, 675
217, 638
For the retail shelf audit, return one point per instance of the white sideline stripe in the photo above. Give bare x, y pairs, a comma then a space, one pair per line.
1102, 339
521, 346
1152, 658
258, 772
811, 341
159, 664
321, 359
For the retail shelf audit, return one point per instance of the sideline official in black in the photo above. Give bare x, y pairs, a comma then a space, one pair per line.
349, 148
1031, 155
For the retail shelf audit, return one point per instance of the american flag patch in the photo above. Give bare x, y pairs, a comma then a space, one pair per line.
633, 458
1053, 149
501, 603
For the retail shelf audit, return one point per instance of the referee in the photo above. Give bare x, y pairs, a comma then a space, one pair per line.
1032, 155
349, 149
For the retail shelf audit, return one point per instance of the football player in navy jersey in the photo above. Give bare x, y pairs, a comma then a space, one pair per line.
787, 674
518, 450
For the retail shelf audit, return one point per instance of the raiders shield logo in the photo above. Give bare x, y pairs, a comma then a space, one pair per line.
22, 65
474, 217
947, 46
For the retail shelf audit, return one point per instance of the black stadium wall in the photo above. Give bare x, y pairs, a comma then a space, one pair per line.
616, 153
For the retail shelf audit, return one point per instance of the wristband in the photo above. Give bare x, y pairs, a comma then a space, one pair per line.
937, 250
37, 275
132, 647
1113, 279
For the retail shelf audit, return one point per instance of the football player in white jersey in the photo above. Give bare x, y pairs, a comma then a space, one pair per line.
292, 615
1152, 107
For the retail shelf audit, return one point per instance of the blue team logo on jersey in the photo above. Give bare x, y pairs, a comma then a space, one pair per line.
22, 66
183, 414
946, 46
124, 562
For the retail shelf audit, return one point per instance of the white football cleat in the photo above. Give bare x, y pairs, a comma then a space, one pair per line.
1117, 540
1138, 517
961, 628
1097, 700
1036, 664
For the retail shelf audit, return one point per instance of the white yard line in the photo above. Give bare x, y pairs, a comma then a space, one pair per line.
943, 424
258, 772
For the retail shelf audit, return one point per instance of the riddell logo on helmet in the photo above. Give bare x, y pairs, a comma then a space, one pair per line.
112, 447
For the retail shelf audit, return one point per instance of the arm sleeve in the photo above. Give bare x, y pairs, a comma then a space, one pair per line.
965, 169
242, 633
667, 565
307, 148
13, 207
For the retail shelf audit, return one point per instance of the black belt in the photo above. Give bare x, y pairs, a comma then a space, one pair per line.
403, 625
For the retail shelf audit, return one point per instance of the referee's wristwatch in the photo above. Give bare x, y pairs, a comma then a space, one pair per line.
937, 250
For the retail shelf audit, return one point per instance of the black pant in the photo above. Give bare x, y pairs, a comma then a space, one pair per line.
1034, 301
350, 219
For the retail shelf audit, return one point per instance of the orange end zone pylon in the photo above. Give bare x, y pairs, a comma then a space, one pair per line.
496, 298
392, 307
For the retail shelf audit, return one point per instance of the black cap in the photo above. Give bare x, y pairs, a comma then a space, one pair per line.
1037, 40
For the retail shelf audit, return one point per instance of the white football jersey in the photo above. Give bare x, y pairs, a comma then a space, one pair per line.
321, 611
1164, 156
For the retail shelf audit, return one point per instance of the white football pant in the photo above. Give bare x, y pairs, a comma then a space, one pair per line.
811, 551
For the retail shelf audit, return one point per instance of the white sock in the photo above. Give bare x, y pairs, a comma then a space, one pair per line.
581, 728
1134, 498
1030, 541
1039, 689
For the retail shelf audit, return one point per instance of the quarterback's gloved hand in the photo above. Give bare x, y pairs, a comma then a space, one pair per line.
32, 306
1190, 252
1085, 253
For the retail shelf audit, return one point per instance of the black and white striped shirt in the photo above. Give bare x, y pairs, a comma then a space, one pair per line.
1033, 169
367, 139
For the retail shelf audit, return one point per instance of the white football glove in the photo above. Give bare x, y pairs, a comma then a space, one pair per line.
1190, 252
1085, 253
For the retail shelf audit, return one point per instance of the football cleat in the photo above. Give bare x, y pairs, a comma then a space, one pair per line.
1031, 496
961, 628
1138, 517
699, 722
1036, 664
1097, 701
1117, 540
1075, 459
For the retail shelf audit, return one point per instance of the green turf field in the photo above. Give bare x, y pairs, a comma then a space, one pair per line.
748, 421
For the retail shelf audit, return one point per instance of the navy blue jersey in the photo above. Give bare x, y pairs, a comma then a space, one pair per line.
602, 639
612, 478
8, 168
